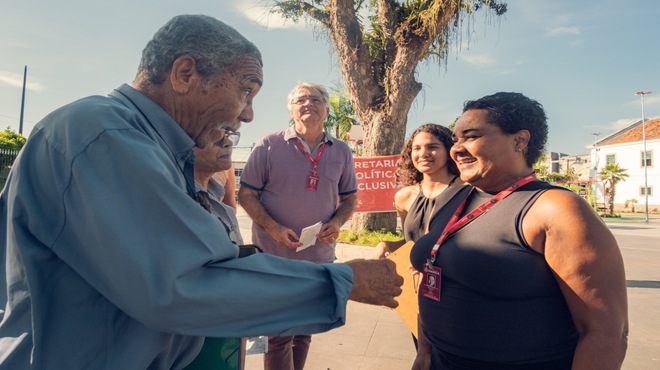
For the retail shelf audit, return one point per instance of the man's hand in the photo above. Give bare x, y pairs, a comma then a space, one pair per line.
284, 236
329, 233
376, 282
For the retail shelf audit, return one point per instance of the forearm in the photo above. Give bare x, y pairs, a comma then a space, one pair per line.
423, 358
423, 344
230, 193
316, 298
344, 210
250, 203
604, 351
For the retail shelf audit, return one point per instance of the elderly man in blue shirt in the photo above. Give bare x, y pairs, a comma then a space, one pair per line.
110, 262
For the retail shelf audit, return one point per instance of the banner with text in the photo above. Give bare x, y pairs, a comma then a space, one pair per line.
376, 183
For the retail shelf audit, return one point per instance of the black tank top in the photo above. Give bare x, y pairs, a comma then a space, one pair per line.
499, 300
423, 209
417, 220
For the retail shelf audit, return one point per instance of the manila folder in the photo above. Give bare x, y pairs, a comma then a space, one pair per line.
408, 306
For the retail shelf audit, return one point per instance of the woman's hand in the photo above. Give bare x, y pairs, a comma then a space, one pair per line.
385, 247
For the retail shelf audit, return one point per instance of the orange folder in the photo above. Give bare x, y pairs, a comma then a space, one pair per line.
408, 307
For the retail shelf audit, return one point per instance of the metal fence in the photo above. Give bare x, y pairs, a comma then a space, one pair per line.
7, 157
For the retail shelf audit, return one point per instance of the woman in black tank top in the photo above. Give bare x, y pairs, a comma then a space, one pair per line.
516, 273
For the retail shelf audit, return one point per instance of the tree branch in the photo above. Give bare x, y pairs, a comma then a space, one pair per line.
354, 58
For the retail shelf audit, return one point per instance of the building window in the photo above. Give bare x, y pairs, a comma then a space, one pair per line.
610, 158
644, 191
648, 158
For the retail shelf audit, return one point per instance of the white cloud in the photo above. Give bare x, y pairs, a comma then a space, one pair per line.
261, 15
478, 60
653, 100
621, 123
559, 31
489, 64
625, 122
16, 80
576, 43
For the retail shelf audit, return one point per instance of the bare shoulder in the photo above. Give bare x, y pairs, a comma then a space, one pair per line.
405, 196
560, 215
556, 205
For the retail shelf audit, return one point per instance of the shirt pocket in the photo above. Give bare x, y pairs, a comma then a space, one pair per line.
333, 171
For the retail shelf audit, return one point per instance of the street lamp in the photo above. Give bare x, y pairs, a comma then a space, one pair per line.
646, 187
595, 152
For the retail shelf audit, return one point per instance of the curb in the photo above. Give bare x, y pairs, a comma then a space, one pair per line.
345, 252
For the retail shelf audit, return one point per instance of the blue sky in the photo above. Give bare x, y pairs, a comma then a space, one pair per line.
583, 60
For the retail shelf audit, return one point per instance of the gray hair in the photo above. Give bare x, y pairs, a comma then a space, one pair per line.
214, 45
310, 86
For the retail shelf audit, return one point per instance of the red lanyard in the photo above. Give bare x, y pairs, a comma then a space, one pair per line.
314, 162
455, 224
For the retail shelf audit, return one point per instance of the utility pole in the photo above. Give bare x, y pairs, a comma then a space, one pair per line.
595, 150
593, 173
20, 123
646, 186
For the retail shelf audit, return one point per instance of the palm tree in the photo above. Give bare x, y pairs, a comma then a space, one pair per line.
611, 175
342, 114
541, 170
571, 174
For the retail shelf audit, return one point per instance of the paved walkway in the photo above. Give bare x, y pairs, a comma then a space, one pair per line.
375, 338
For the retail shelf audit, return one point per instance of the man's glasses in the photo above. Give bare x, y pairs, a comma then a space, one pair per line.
316, 100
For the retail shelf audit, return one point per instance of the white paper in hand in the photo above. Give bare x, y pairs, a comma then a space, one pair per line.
308, 236
256, 345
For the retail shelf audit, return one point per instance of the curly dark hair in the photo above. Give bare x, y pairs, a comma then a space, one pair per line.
407, 174
512, 112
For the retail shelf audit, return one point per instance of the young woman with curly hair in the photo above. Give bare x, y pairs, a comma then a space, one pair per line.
425, 170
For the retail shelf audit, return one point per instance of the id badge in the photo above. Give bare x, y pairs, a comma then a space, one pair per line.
312, 182
431, 282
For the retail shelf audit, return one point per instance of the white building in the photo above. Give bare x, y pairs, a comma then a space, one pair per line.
626, 147
578, 165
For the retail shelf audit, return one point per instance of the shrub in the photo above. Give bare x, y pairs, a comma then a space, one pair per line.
367, 238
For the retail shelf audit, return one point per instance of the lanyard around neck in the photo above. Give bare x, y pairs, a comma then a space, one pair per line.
313, 161
456, 224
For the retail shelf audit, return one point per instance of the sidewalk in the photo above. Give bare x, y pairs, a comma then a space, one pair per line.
375, 338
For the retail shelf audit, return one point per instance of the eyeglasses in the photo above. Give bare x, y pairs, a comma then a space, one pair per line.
233, 136
311, 98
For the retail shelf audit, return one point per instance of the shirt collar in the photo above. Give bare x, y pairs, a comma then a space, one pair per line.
290, 133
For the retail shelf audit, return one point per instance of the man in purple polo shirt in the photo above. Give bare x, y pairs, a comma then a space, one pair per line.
294, 179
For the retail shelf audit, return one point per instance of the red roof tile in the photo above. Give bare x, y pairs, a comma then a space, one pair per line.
633, 134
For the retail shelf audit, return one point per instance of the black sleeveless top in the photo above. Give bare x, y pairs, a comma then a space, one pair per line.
499, 302
423, 209
418, 217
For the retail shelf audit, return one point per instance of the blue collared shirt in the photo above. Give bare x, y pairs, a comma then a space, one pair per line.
110, 264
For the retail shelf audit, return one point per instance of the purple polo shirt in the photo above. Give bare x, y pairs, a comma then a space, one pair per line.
279, 169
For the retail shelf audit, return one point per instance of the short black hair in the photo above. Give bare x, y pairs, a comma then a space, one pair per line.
512, 112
